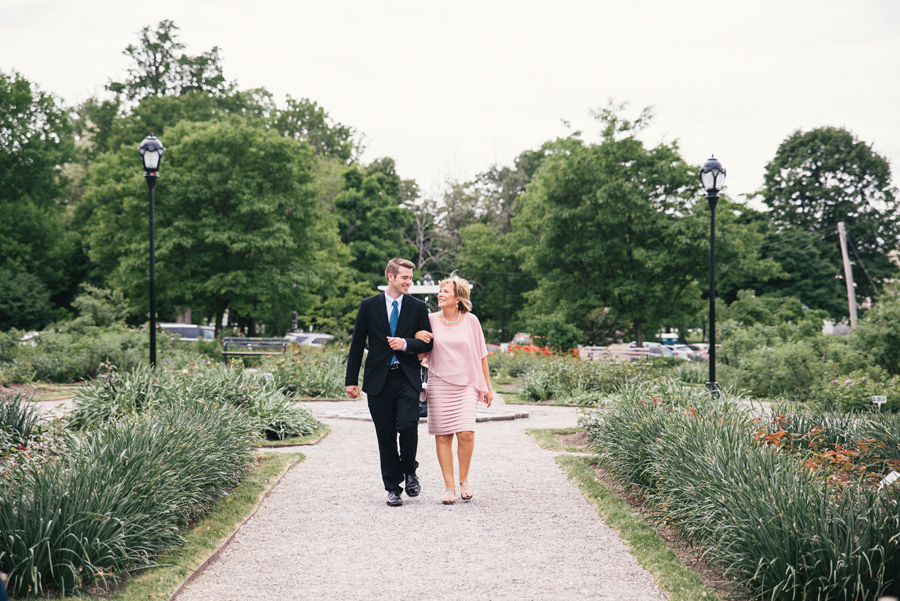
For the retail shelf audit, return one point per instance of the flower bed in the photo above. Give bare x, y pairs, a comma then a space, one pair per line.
774, 507
78, 511
117, 393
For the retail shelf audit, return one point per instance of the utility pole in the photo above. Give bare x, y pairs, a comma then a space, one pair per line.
848, 274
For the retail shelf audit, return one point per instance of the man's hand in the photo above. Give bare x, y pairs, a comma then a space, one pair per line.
352, 391
396, 344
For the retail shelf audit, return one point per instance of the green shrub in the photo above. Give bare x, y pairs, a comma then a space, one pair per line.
556, 332
878, 334
790, 369
513, 365
75, 350
117, 497
16, 372
578, 381
854, 392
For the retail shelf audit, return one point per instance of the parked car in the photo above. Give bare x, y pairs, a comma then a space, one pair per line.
316, 339
683, 351
701, 351
297, 337
189, 332
647, 344
662, 350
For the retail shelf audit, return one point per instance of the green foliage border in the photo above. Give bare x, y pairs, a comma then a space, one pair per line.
209, 537
677, 582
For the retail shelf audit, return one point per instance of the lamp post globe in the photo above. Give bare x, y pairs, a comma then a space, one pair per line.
151, 151
712, 177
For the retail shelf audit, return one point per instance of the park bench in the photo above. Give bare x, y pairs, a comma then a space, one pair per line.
614, 352
238, 346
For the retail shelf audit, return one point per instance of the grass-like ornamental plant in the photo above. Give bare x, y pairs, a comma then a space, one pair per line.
310, 372
118, 494
116, 393
768, 513
17, 417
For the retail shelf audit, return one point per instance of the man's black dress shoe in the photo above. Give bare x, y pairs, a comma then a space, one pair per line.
412, 485
394, 499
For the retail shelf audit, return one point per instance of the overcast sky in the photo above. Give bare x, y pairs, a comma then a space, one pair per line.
449, 88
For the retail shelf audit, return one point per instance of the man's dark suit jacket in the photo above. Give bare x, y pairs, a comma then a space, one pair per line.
372, 323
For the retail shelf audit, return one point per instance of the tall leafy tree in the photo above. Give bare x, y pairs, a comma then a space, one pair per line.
489, 260
617, 226
304, 119
371, 219
35, 143
160, 68
237, 225
826, 175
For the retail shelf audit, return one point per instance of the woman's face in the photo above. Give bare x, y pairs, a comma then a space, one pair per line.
446, 298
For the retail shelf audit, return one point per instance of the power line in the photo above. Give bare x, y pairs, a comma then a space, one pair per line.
858, 260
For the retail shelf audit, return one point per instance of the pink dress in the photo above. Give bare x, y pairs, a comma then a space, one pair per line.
455, 378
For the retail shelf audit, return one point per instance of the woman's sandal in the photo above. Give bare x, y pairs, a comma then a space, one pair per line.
465, 491
449, 497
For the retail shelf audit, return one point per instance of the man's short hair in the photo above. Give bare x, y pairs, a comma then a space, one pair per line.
394, 265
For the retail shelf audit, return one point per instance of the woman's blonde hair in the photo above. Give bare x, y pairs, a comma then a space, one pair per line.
461, 290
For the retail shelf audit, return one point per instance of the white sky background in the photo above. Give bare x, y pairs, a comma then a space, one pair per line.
448, 89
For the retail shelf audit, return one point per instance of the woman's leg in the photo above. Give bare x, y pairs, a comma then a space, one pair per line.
465, 447
444, 445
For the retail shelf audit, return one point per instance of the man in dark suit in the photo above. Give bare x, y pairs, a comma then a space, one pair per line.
392, 380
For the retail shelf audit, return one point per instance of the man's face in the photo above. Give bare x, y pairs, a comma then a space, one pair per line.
399, 284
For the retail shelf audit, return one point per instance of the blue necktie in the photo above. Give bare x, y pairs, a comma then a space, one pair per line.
395, 314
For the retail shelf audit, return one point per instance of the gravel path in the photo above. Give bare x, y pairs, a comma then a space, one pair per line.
325, 532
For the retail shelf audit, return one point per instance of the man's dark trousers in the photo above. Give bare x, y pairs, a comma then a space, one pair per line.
395, 411
392, 392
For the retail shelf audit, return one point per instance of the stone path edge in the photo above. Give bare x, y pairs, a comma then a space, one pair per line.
289, 445
218, 552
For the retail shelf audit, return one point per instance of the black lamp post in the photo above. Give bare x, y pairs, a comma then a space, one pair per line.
712, 176
151, 154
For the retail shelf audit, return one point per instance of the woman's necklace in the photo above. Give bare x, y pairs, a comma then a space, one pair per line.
450, 323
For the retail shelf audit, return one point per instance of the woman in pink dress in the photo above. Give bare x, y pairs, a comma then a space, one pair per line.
458, 379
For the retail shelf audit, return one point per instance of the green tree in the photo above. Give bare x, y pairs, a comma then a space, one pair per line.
304, 119
371, 219
617, 225
159, 67
237, 225
35, 143
826, 175
24, 301
489, 260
